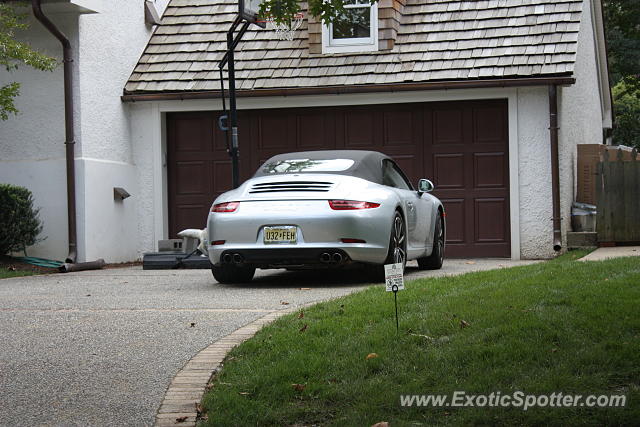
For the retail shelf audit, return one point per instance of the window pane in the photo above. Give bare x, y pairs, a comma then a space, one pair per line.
306, 165
353, 23
392, 178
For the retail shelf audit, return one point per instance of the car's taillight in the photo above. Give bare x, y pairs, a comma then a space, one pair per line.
342, 205
225, 207
347, 240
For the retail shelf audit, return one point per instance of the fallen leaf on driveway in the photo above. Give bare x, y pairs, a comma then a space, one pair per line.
371, 356
181, 419
304, 328
284, 303
193, 324
305, 289
471, 262
301, 315
381, 424
464, 324
298, 387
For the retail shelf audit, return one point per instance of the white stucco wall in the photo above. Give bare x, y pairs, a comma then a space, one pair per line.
32, 150
581, 113
107, 45
536, 227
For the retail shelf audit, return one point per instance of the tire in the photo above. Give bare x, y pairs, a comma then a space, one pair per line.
228, 274
435, 260
397, 252
397, 242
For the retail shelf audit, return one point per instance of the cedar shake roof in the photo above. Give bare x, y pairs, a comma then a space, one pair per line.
437, 40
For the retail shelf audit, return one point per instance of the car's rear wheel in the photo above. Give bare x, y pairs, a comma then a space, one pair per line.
397, 242
397, 253
229, 273
436, 259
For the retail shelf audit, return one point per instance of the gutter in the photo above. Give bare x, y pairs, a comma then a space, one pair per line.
340, 90
555, 167
70, 261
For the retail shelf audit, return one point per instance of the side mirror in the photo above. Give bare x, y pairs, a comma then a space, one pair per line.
425, 186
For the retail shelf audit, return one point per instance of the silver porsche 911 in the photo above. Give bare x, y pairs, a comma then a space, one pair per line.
324, 209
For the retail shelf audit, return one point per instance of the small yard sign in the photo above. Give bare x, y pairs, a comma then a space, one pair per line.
394, 279
393, 276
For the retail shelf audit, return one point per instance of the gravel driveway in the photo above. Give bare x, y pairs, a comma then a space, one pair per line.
100, 347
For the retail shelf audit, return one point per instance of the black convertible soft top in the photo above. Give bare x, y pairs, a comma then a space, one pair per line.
367, 164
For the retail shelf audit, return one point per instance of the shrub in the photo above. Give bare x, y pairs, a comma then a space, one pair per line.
626, 96
19, 222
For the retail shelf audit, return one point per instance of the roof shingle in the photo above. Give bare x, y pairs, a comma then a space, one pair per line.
436, 40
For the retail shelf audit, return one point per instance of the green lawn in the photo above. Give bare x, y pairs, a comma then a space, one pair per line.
560, 326
6, 273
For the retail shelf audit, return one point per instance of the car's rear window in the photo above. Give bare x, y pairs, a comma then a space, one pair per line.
306, 165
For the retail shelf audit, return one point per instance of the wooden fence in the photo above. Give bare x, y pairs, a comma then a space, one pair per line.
618, 196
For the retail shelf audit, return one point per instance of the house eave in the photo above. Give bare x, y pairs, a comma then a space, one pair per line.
339, 90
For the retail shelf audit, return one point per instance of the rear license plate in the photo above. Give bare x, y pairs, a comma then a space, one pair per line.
281, 234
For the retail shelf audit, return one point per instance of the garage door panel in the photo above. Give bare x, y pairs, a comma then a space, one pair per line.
490, 220
489, 125
359, 130
191, 216
185, 172
448, 171
273, 131
455, 219
219, 142
193, 133
489, 170
221, 171
398, 128
448, 126
312, 130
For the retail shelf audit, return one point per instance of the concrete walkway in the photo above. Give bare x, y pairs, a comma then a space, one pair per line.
614, 252
102, 347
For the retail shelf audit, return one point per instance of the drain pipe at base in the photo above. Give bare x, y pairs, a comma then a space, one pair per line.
70, 261
555, 167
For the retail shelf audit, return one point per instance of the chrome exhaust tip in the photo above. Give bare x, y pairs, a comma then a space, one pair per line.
337, 257
237, 258
325, 258
227, 258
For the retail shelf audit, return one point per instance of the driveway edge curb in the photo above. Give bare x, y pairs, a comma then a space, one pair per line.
188, 386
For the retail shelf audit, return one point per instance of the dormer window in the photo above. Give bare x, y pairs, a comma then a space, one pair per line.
355, 30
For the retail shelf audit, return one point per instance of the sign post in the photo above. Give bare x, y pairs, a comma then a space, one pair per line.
394, 281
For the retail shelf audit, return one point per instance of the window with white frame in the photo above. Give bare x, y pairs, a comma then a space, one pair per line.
355, 30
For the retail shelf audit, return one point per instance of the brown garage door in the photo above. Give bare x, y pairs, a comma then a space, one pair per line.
461, 146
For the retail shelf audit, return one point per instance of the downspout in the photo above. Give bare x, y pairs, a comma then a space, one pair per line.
555, 167
68, 126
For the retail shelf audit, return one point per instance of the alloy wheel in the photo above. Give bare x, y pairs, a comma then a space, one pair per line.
398, 241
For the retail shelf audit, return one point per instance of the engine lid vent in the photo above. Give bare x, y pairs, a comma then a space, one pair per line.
275, 187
